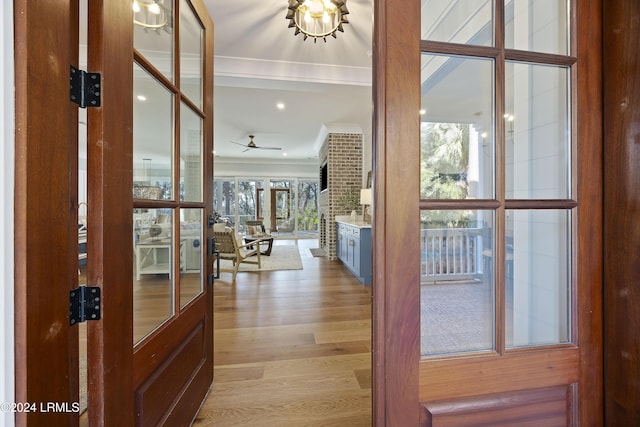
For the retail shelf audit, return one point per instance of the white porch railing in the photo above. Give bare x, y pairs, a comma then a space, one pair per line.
450, 254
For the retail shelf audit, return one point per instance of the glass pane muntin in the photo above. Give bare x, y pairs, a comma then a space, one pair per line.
159, 177
503, 201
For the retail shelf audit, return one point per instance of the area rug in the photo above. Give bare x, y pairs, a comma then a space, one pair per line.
283, 257
318, 252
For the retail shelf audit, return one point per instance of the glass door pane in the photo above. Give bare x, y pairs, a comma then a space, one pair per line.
153, 33
537, 132
457, 128
191, 242
308, 191
537, 26
191, 54
465, 22
457, 288
282, 204
190, 155
538, 276
224, 199
152, 137
154, 256
249, 201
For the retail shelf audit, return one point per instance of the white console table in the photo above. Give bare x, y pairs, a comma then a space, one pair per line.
153, 256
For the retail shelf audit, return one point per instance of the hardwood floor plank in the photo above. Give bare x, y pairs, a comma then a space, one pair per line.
355, 334
346, 325
290, 317
285, 352
239, 373
291, 348
320, 365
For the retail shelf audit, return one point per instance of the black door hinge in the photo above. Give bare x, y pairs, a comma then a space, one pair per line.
84, 88
84, 304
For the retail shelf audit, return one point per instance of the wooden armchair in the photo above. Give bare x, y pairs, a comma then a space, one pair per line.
230, 249
255, 225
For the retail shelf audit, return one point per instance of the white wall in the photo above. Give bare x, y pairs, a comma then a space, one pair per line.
7, 378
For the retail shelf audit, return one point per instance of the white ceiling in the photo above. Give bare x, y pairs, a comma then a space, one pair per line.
258, 62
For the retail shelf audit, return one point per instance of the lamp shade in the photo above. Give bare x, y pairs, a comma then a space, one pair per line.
365, 196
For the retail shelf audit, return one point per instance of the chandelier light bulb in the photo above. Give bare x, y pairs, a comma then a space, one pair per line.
154, 8
316, 7
150, 14
307, 17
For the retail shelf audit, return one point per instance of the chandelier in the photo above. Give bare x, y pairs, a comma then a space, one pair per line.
150, 14
317, 18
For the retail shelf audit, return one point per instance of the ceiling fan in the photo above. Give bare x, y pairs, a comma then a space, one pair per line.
252, 144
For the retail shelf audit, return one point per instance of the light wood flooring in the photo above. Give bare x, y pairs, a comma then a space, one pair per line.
291, 348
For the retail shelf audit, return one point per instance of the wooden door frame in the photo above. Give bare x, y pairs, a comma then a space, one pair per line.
396, 83
45, 218
588, 97
110, 53
621, 238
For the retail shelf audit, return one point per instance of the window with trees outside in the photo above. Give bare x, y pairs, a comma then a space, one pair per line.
291, 207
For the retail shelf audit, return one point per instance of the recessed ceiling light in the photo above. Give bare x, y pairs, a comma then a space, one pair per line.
284, 154
141, 98
423, 112
280, 105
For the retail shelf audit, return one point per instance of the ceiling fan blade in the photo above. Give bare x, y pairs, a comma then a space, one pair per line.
252, 145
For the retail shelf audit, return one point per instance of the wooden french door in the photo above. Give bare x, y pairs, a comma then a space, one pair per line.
164, 377
149, 196
487, 220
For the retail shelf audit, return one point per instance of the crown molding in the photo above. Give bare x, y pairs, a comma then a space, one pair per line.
251, 68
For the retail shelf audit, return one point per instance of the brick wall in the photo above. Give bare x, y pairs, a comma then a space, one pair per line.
343, 154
